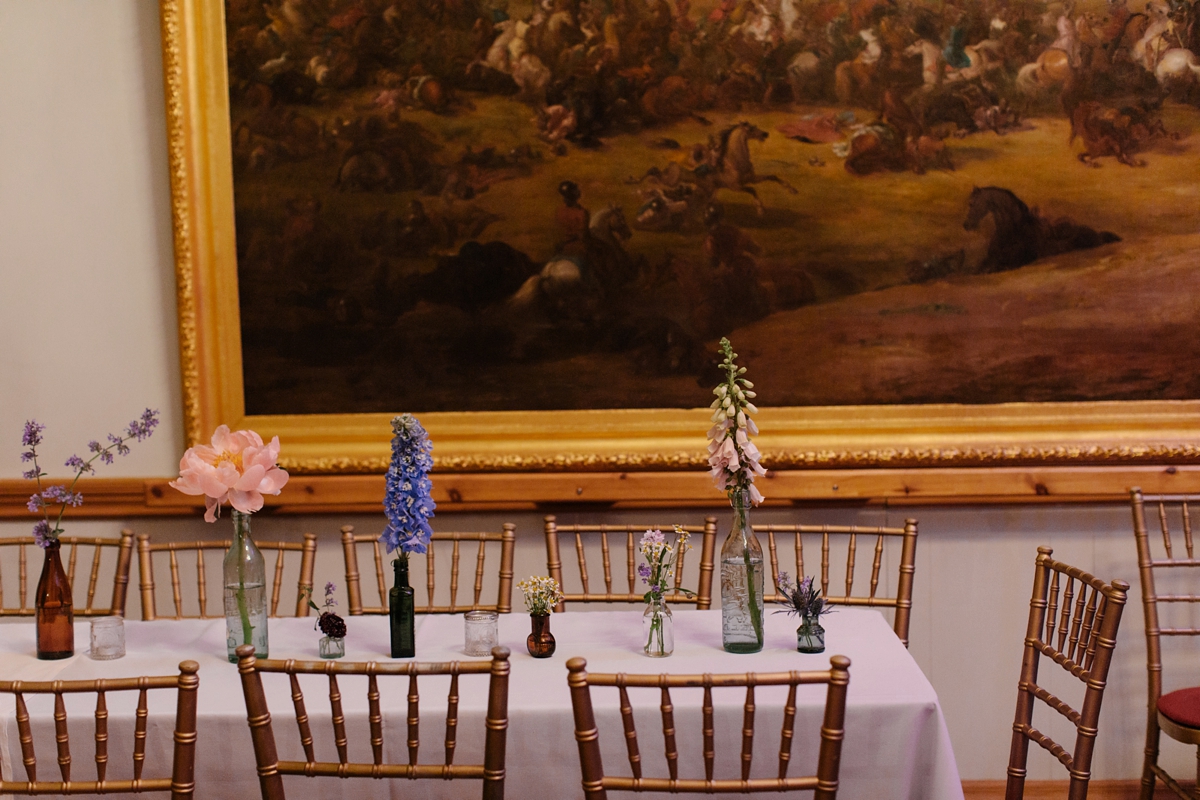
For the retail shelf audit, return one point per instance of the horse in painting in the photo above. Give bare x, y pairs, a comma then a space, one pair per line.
1022, 236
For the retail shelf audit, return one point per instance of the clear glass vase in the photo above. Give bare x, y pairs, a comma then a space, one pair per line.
55, 620
402, 612
810, 636
741, 582
332, 648
658, 629
245, 578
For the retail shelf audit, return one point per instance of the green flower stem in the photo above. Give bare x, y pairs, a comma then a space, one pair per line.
243, 609
755, 614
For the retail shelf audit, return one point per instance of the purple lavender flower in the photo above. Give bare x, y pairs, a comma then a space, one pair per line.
79, 465
644, 572
655, 589
94, 446
41, 533
142, 428
35, 503
30, 474
33, 433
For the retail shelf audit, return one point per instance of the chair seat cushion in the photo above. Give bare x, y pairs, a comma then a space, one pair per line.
1182, 707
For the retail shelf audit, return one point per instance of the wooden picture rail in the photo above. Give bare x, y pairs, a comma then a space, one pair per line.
317, 494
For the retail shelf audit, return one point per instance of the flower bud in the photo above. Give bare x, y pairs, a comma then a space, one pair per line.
751, 394
746, 383
751, 408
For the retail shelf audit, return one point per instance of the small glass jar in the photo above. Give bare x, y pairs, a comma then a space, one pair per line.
108, 638
333, 647
658, 628
810, 636
480, 632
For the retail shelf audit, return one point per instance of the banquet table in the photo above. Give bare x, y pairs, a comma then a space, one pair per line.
896, 743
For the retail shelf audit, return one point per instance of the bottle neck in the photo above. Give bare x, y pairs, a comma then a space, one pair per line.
400, 566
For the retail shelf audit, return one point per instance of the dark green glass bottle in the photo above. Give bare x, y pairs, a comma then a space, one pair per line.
400, 609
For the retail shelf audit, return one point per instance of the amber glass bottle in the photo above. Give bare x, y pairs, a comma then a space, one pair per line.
55, 609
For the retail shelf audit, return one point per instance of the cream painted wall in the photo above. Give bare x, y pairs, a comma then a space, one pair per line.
87, 339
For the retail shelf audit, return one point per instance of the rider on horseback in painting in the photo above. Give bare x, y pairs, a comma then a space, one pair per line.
572, 219
731, 255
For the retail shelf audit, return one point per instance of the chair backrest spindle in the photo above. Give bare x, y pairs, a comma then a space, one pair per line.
270, 768
596, 783
122, 548
635, 594
505, 539
181, 783
146, 550
905, 538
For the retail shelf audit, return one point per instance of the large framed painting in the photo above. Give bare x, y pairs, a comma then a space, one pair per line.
938, 234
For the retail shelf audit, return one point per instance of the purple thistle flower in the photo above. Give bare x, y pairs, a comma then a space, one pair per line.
32, 436
41, 534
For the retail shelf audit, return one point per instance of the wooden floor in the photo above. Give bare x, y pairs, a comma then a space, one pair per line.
1057, 790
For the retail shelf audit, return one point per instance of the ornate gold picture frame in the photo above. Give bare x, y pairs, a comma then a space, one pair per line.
829, 437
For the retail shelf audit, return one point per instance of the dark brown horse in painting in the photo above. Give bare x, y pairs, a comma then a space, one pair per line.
1022, 235
734, 170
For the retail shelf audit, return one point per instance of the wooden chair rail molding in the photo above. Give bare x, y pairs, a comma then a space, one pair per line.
316, 494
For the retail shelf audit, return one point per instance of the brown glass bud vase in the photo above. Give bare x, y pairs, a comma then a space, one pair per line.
55, 608
540, 642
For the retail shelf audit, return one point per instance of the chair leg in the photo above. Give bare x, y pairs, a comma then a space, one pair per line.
1151, 758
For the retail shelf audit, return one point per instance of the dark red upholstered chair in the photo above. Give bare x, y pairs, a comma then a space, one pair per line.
1176, 713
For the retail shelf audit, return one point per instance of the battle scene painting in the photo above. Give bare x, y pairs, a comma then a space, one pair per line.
492, 205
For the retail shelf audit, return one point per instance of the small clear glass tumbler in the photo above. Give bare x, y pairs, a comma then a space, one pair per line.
108, 638
481, 632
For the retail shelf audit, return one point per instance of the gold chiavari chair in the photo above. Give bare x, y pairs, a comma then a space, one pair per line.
26, 581
906, 537
181, 783
630, 535
1080, 638
596, 783
506, 539
1176, 713
271, 770
147, 549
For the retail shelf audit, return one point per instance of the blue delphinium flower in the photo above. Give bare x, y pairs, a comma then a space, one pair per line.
408, 502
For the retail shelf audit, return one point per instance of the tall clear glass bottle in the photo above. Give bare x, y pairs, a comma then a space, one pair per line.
401, 612
245, 578
741, 582
55, 621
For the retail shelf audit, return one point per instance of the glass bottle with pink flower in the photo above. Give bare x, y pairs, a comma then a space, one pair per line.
735, 464
237, 468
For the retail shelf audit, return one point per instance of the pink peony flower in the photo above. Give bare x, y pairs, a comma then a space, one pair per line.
237, 467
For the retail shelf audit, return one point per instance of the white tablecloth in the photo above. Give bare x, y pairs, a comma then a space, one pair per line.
896, 743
